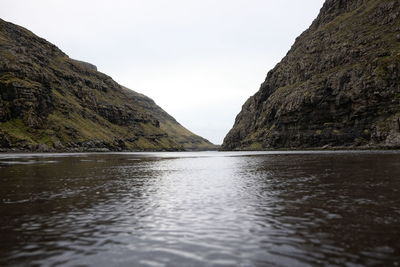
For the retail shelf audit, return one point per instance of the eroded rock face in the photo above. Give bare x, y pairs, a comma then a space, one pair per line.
49, 101
338, 86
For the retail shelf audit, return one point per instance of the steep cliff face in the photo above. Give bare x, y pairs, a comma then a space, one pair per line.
49, 101
337, 86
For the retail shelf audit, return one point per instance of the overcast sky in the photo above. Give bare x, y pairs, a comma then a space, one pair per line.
199, 60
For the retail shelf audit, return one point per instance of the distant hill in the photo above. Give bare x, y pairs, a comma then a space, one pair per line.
338, 86
49, 101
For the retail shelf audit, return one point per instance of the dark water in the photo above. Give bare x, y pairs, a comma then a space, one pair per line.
200, 209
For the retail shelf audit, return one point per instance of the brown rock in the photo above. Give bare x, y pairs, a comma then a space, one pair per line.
46, 96
338, 82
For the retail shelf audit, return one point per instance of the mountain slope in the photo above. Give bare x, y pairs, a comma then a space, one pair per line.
338, 86
49, 101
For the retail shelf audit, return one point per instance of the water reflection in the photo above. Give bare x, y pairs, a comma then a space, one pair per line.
183, 209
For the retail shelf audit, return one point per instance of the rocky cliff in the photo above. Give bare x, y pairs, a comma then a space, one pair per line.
49, 101
338, 86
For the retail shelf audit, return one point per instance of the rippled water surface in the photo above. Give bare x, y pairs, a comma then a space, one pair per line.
200, 209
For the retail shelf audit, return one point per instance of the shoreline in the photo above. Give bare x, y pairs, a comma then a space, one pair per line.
105, 150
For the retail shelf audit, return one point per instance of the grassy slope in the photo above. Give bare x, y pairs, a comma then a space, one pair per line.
341, 29
63, 104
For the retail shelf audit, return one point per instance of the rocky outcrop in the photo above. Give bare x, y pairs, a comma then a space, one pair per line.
49, 101
86, 64
338, 86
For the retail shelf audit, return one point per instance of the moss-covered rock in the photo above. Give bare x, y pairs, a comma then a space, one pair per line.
49, 101
338, 86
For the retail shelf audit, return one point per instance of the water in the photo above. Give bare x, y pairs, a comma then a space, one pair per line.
200, 209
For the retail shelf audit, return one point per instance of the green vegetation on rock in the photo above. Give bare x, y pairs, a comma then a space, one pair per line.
50, 102
338, 86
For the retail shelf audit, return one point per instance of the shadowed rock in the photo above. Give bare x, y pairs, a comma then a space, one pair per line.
49, 101
338, 86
